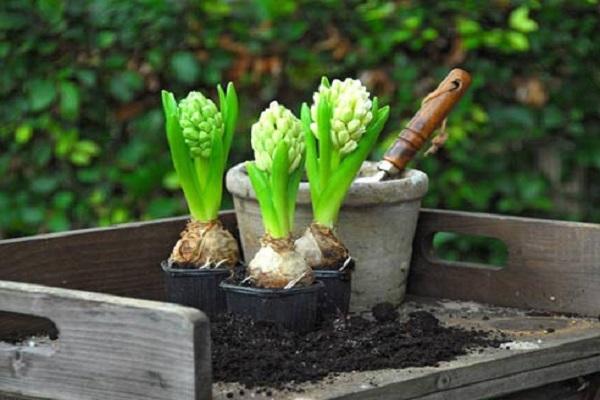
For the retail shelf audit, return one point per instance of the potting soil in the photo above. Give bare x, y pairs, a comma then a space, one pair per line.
259, 354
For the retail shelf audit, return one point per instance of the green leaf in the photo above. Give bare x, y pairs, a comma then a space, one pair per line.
58, 222
293, 184
519, 20
279, 185
83, 151
162, 207
260, 184
467, 27
180, 156
185, 67
23, 133
171, 181
232, 106
44, 184
41, 94
324, 111
63, 200
517, 41
32, 215
312, 162
69, 100
125, 85
51, 10
212, 193
106, 39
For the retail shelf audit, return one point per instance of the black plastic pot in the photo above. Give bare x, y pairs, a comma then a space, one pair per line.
198, 288
335, 298
295, 309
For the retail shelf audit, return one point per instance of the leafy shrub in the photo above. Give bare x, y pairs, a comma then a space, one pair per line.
81, 131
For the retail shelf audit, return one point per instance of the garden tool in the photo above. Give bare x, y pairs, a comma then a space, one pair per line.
433, 112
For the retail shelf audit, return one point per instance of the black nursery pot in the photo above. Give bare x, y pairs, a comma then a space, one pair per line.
198, 288
295, 309
335, 298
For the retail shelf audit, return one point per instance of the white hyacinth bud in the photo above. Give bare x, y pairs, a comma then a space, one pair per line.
351, 114
275, 124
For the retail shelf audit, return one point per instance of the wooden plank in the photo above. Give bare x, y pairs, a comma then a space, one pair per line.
121, 260
108, 347
580, 388
509, 384
552, 265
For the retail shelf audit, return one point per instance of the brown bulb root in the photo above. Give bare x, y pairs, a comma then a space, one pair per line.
206, 244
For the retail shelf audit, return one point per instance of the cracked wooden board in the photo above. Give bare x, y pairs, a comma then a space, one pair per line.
108, 347
541, 350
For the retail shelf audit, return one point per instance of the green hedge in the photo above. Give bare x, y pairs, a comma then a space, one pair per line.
81, 130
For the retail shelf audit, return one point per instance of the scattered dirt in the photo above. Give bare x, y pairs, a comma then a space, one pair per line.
384, 312
258, 354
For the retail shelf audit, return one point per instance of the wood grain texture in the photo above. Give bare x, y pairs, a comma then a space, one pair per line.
580, 388
552, 265
510, 384
108, 348
121, 260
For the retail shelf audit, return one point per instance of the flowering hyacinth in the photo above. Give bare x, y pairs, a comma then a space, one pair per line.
351, 108
200, 121
275, 124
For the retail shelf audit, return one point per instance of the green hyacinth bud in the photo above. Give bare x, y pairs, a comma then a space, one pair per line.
200, 121
351, 112
275, 124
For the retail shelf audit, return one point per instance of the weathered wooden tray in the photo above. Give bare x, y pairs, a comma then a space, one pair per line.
112, 347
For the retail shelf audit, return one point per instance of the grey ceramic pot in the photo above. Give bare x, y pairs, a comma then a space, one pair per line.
377, 223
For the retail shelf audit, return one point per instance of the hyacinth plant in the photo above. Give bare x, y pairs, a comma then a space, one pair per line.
341, 127
278, 144
199, 136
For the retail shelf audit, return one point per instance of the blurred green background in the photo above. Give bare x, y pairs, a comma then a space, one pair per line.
81, 130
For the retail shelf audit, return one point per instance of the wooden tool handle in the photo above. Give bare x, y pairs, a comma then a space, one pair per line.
434, 109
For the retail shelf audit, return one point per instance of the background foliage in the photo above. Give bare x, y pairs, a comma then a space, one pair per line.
81, 131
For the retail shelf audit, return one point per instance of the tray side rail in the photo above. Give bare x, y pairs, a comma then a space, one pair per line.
107, 347
552, 265
121, 260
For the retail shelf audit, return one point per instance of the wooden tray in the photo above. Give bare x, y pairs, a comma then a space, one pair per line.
112, 347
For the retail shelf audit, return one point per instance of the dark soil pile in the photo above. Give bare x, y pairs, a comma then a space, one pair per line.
265, 355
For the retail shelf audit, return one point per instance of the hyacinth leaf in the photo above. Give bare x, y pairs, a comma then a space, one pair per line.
333, 195
184, 167
228, 103
294, 183
214, 185
202, 166
260, 183
324, 112
279, 184
375, 106
312, 166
